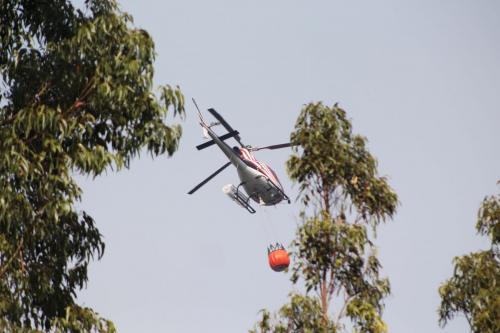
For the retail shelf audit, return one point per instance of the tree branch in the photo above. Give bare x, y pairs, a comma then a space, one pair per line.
3, 269
347, 300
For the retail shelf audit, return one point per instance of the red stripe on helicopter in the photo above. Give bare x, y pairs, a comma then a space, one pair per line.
263, 168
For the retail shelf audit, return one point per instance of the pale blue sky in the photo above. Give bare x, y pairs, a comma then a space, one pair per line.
419, 79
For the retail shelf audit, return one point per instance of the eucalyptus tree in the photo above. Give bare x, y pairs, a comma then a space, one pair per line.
344, 200
474, 288
76, 97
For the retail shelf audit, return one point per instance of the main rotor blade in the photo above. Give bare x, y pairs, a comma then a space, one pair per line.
209, 178
225, 124
212, 142
282, 145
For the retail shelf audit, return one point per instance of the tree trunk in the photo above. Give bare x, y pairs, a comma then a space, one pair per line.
324, 298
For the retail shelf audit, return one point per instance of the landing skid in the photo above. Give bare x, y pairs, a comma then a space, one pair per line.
243, 200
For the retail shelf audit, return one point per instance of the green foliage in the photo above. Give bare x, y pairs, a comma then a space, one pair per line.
302, 315
365, 316
332, 251
488, 222
332, 257
76, 97
334, 168
474, 288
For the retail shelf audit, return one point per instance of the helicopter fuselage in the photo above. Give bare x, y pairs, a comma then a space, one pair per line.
257, 179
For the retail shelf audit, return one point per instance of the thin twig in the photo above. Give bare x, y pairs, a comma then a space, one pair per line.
3, 270
347, 300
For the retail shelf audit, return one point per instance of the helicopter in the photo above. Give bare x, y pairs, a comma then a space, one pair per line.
258, 180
